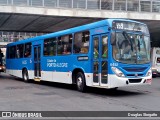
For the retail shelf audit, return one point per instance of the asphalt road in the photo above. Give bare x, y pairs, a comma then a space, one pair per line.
16, 95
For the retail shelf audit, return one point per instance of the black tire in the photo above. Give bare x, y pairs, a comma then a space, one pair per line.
25, 75
80, 82
114, 89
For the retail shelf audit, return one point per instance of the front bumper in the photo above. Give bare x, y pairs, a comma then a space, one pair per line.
124, 81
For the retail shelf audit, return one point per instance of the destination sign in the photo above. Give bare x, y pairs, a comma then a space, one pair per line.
130, 26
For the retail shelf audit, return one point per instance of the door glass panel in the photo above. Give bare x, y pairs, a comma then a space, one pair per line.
37, 61
39, 53
35, 69
104, 72
100, 63
104, 46
38, 64
35, 54
38, 70
95, 73
96, 48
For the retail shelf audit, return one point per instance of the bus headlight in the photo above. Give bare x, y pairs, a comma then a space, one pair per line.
117, 72
149, 73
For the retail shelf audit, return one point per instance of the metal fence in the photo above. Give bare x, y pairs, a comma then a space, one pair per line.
16, 36
117, 5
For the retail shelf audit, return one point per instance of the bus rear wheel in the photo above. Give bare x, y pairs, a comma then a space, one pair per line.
25, 75
80, 82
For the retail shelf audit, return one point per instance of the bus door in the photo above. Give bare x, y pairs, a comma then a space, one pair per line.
100, 60
37, 62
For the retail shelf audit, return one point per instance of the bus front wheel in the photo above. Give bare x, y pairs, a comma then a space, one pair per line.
80, 82
25, 75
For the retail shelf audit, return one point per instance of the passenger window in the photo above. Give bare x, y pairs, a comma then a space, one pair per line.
81, 42
19, 51
64, 45
28, 49
50, 47
8, 55
12, 50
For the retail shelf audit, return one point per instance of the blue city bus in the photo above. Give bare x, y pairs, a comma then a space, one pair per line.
110, 53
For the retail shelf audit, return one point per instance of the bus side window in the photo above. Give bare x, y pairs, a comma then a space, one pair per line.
69, 48
12, 50
50, 47
8, 48
77, 43
45, 46
28, 48
81, 42
76, 49
65, 45
19, 51
59, 47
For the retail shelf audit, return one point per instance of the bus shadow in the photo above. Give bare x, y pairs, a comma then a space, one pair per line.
56, 85
44, 83
113, 92
95, 91
90, 90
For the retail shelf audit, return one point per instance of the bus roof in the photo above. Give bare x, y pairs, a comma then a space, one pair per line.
72, 30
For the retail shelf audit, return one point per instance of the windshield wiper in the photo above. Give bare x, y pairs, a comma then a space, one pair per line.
127, 38
139, 46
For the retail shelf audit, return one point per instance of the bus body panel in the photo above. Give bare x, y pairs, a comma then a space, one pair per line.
59, 68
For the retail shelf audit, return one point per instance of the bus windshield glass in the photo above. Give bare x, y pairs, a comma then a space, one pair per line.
131, 48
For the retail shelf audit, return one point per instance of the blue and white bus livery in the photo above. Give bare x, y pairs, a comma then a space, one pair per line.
107, 54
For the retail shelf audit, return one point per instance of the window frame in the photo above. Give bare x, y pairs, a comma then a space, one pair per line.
55, 51
69, 45
82, 41
30, 51
22, 51
12, 51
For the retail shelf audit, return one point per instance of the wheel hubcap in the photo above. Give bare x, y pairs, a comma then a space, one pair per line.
25, 76
79, 82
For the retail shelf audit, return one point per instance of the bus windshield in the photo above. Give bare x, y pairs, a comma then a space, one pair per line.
131, 48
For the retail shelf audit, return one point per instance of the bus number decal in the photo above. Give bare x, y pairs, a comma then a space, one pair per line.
113, 64
24, 62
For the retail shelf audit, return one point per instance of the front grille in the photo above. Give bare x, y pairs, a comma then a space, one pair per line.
133, 75
135, 80
141, 69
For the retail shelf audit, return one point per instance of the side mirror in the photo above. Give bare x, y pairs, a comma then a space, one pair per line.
113, 38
